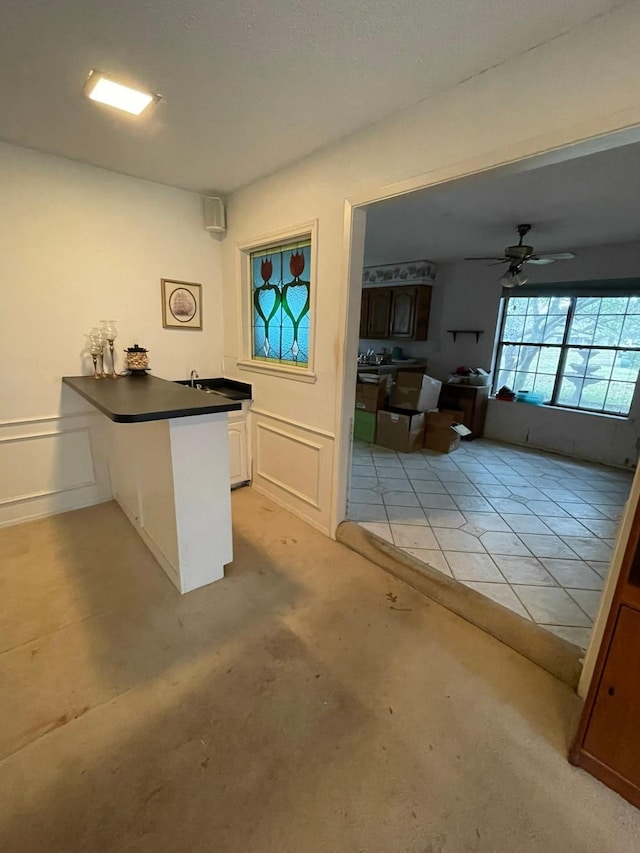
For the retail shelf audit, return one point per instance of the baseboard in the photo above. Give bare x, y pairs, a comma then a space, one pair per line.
273, 496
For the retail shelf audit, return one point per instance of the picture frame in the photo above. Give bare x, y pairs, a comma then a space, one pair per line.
181, 304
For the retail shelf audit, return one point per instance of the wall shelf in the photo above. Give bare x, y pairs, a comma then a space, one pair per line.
456, 332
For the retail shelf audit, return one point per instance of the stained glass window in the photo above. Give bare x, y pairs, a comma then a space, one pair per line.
281, 290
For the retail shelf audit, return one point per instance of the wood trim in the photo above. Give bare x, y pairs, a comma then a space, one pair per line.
47, 418
263, 413
33, 435
280, 370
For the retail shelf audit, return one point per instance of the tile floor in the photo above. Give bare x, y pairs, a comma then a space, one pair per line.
531, 530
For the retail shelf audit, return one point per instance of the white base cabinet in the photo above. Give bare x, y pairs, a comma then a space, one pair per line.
239, 456
171, 479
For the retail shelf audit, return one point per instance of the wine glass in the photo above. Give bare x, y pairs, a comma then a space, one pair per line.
110, 333
96, 348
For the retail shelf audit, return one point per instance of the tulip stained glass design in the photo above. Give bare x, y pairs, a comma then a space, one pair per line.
281, 299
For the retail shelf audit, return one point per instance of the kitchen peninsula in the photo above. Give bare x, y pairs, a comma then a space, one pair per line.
169, 468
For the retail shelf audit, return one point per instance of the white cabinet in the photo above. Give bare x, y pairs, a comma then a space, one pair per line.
239, 459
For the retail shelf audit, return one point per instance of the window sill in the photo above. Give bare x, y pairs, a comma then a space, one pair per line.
566, 409
278, 370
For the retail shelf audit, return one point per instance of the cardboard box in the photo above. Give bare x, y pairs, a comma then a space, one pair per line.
445, 439
400, 429
415, 391
371, 396
442, 440
364, 426
443, 418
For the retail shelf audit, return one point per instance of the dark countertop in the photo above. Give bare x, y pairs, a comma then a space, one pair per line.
134, 399
230, 388
418, 364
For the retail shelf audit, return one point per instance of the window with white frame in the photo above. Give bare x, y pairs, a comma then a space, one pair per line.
577, 351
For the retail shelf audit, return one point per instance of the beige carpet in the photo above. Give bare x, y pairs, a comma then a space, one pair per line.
557, 656
308, 702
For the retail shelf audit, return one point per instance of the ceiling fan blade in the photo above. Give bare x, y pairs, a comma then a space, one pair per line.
486, 259
551, 257
499, 263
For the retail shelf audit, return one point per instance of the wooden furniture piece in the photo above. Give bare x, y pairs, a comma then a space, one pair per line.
396, 313
471, 399
607, 743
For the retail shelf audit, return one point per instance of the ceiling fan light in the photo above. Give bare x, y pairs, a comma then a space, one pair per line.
513, 278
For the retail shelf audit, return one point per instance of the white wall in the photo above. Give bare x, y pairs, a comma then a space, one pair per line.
78, 245
464, 129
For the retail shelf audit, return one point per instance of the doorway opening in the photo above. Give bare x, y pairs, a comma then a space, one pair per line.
525, 510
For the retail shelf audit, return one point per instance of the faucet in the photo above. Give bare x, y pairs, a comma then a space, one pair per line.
194, 376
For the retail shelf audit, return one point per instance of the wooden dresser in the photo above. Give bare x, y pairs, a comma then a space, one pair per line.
470, 399
607, 743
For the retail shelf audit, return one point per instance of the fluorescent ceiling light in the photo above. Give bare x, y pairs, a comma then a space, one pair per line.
100, 88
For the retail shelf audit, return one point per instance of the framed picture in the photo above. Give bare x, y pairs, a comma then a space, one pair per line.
181, 304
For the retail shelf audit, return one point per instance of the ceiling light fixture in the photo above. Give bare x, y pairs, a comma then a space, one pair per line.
514, 277
101, 88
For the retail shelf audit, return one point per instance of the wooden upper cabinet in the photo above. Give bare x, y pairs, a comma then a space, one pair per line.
403, 312
397, 313
379, 310
364, 313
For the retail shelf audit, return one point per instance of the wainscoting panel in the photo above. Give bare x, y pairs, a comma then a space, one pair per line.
50, 465
292, 465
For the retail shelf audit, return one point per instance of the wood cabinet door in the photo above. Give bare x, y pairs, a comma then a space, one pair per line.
612, 734
458, 400
379, 310
364, 313
423, 310
403, 312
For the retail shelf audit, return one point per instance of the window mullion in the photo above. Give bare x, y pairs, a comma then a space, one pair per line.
496, 366
564, 348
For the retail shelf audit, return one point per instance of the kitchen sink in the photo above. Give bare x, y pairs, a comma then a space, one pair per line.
228, 388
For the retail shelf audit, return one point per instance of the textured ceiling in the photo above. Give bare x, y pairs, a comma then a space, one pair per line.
587, 201
249, 85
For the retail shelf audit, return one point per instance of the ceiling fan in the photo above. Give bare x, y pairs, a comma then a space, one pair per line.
517, 256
